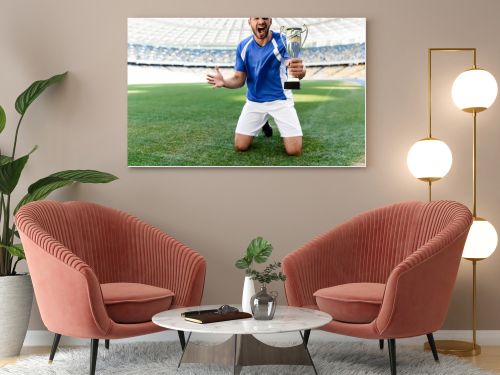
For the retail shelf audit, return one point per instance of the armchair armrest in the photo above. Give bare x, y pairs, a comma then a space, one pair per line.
67, 290
419, 289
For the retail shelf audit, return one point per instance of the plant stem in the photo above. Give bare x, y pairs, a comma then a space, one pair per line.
15, 138
11, 242
13, 271
6, 237
3, 252
12, 233
5, 234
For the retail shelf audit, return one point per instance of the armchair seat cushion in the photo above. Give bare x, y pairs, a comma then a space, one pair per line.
351, 303
133, 302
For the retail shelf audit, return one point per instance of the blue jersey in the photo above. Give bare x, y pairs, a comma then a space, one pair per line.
265, 68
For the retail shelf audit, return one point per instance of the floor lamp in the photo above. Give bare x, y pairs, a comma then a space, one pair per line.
429, 159
473, 91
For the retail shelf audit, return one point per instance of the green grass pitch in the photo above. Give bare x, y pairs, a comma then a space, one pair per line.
193, 125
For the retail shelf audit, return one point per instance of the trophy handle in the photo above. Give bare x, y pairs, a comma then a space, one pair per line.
281, 35
306, 30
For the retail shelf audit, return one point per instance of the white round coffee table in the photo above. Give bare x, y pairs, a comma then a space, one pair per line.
242, 348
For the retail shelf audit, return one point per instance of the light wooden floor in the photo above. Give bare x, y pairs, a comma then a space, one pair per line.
488, 360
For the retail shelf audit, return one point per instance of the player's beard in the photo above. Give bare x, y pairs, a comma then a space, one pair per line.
261, 32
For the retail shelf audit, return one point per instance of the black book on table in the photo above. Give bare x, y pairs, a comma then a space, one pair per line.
212, 316
198, 312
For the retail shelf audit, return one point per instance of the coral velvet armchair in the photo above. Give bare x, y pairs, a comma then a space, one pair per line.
385, 274
100, 273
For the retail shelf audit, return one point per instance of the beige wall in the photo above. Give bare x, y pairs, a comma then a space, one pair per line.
83, 124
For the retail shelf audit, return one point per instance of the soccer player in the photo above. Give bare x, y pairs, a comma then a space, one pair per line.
263, 63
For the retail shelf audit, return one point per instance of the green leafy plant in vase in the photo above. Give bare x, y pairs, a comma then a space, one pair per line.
262, 305
16, 292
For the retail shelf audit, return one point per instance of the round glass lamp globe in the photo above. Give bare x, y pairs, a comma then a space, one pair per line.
429, 159
474, 90
481, 241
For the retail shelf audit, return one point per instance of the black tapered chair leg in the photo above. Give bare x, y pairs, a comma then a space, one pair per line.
94, 345
381, 344
307, 333
106, 344
55, 344
432, 344
182, 339
392, 355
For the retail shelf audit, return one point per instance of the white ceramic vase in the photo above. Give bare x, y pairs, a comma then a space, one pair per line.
248, 292
16, 298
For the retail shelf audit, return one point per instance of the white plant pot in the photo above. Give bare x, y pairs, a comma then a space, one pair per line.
248, 292
16, 298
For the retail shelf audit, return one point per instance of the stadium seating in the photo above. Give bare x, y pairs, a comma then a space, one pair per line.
169, 56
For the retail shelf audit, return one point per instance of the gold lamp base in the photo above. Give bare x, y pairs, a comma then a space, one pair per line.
457, 348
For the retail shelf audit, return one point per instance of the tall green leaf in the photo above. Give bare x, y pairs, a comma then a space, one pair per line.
10, 172
74, 175
4, 159
15, 250
3, 119
41, 193
43, 187
31, 93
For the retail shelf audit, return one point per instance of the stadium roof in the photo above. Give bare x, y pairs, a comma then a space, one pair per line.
227, 32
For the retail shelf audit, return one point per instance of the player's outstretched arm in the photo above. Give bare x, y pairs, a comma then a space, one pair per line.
234, 82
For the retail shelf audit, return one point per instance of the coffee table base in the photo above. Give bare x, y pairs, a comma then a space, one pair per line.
246, 350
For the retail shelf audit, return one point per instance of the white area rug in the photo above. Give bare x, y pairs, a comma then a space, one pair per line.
161, 358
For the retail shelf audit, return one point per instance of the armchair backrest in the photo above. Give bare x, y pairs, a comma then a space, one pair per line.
386, 236
379, 240
96, 234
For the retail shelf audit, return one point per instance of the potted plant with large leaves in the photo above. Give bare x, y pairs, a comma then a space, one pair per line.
258, 251
16, 291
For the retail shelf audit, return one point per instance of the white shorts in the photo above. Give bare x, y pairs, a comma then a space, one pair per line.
254, 115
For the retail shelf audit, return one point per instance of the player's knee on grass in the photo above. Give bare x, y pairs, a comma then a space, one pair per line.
241, 147
293, 146
242, 142
293, 151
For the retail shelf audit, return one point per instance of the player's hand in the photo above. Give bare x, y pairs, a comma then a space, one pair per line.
216, 80
296, 68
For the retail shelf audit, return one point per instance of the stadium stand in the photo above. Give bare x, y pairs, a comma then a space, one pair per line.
184, 50
203, 57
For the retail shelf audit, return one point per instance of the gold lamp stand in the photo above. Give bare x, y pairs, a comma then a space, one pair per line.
455, 347
462, 348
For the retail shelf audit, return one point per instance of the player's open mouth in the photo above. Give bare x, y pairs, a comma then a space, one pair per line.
261, 30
